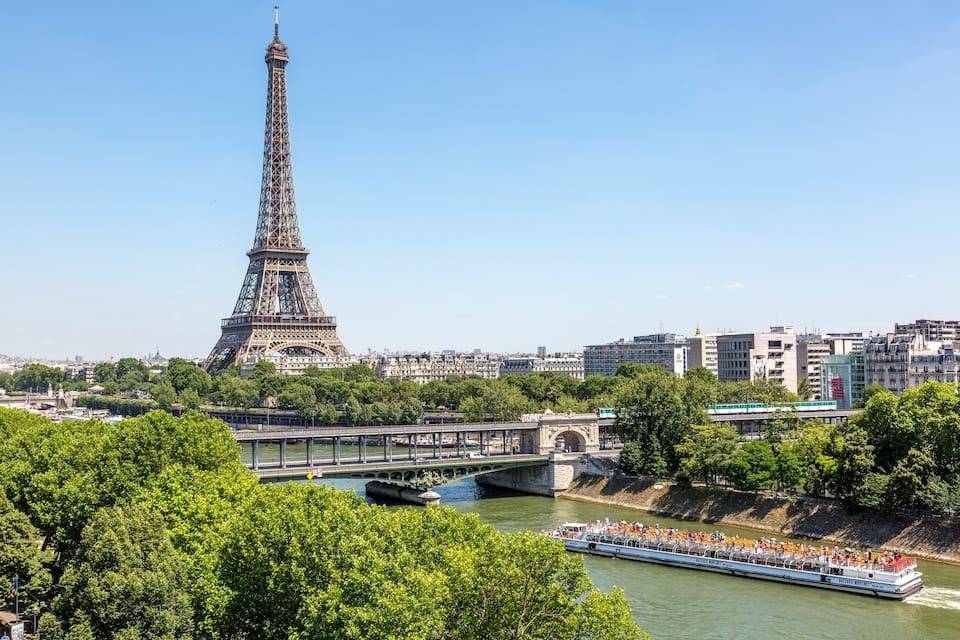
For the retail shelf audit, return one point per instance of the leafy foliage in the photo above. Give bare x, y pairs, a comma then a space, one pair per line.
21, 554
159, 532
37, 377
753, 466
126, 580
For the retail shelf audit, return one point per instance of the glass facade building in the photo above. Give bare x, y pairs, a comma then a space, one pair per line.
841, 379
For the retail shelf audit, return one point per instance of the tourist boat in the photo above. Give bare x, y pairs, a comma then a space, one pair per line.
873, 573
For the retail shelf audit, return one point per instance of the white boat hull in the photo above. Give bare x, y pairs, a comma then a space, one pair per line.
894, 591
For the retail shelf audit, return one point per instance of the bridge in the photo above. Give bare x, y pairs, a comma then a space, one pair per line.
404, 461
747, 422
540, 454
751, 424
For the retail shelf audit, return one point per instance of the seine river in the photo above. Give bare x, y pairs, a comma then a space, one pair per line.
678, 603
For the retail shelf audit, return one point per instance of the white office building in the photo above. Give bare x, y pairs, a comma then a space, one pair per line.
666, 350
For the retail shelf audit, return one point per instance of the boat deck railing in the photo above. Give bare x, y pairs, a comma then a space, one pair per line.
790, 556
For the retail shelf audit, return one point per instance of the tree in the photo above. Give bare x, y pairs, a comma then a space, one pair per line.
642, 458
781, 426
891, 433
353, 412
271, 386
854, 455
812, 448
790, 468
499, 400
753, 467
190, 399
263, 368
472, 409
126, 580
651, 411
326, 414
909, 478
410, 411
7, 382
163, 534
874, 491
707, 452
37, 377
164, 394
804, 390
700, 390
310, 562
105, 372
504, 403
184, 374
21, 555
760, 390
871, 390
595, 387
439, 394
567, 403
636, 370
357, 373
933, 412
297, 396
236, 392
126, 366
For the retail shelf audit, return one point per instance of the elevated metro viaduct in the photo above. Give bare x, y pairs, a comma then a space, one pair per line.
542, 455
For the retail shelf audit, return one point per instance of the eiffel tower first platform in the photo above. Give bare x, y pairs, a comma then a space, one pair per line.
278, 315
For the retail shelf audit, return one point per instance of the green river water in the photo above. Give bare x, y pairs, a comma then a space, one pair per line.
678, 603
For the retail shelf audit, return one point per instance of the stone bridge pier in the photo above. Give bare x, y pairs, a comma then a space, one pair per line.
567, 439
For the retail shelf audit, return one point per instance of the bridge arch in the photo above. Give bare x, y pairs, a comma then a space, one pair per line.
295, 348
570, 441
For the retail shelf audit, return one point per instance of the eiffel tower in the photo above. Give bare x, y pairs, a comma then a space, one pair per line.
278, 315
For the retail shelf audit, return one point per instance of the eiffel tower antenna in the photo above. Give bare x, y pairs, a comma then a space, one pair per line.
278, 315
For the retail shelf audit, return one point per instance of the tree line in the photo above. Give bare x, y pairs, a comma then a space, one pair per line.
898, 453
151, 529
353, 395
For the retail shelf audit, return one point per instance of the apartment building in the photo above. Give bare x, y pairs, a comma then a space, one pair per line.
702, 351
666, 350
770, 355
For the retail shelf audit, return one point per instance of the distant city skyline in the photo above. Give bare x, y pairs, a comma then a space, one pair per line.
497, 176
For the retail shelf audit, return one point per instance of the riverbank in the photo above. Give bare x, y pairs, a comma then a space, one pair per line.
932, 538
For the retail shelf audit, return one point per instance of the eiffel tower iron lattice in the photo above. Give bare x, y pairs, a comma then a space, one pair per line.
278, 314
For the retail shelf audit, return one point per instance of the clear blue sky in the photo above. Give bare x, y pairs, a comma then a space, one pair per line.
491, 174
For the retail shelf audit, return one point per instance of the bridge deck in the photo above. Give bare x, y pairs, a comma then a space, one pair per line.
767, 415
377, 469
385, 430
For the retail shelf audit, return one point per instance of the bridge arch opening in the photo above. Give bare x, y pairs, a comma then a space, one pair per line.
570, 442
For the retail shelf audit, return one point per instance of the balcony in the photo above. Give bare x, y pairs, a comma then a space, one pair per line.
314, 321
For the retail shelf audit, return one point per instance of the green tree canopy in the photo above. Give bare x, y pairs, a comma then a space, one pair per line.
753, 467
105, 372
184, 374
652, 411
707, 452
21, 554
37, 377
126, 580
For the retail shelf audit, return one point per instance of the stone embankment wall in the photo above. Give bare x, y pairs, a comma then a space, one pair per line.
929, 537
547, 479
